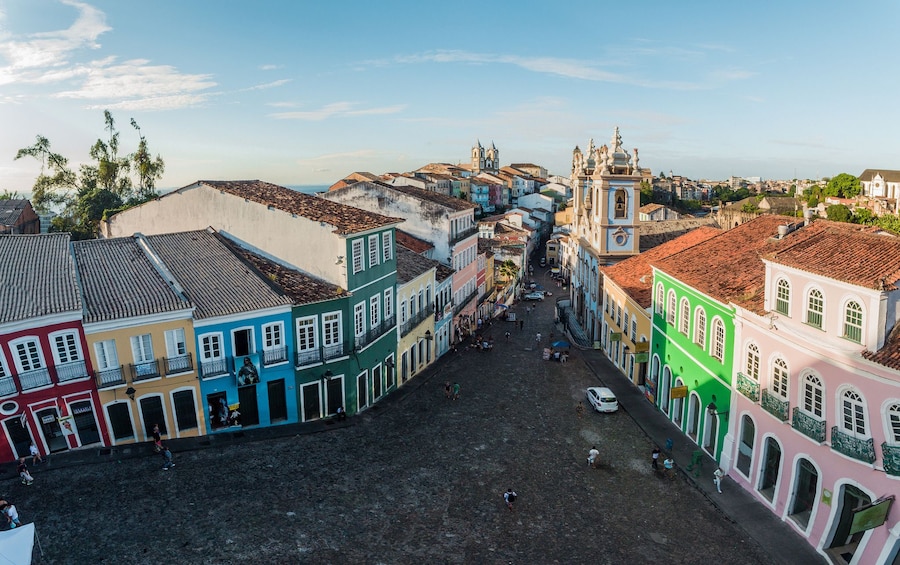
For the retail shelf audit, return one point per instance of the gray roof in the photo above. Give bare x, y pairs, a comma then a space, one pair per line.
11, 209
214, 278
37, 277
411, 265
119, 281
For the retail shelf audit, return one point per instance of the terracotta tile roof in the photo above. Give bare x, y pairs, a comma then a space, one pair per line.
850, 253
728, 267
889, 354
37, 277
345, 219
411, 265
455, 204
634, 275
119, 281
300, 287
217, 281
657, 233
412, 242
443, 272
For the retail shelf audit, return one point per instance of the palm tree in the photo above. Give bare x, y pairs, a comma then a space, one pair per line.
508, 270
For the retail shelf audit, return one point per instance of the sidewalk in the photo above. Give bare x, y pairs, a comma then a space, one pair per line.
786, 546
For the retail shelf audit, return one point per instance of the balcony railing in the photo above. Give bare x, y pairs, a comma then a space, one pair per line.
891, 455
463, 235
417, 319
7, 386
462, 303
775, 406
861, 449
144, 371
374, 333
308, 356
748, 387
810, 426
274, 355
442, 313
334, 351
214, 368
110, 377
34, 379
180, 364
71, 371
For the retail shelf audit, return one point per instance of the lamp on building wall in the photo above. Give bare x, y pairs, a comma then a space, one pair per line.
427, 336
130, 392
711, 409
327, 375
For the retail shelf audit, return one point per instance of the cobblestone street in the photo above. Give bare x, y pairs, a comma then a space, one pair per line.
417, 479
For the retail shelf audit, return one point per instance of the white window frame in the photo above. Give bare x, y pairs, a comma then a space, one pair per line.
388, 303
374, 311
812, 395
216, 340
71, 347
700, 327
783, 297
684, 321
852, 414
373, 250
331, 328
717, 343
176, 345
356, 247
107, 355
387, 247
781, 377
34, 356
142, 348
660, 298
751, 365
306, 328
847, 324
273, 335
892, 423
810, 311
359, 319
671, 305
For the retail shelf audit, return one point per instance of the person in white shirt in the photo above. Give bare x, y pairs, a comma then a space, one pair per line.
593, 454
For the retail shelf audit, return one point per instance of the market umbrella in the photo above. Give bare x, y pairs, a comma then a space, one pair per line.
561, 344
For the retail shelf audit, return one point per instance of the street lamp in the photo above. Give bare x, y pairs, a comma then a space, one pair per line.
130, 392
711, 410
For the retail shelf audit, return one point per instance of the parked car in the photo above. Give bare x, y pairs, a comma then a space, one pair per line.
543, 261
534, 296
602, 399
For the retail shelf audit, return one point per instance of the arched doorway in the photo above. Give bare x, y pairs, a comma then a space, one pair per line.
678, 405
665, 389
693, 417
805, 492
771, 468
710, 434
745, 447
843, 545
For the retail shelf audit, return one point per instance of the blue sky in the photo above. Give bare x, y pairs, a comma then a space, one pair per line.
302, 92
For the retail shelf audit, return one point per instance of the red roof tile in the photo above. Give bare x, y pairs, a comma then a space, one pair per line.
412, 242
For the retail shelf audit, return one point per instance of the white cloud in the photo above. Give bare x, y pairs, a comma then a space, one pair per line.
269, 67
273, 84
337, 110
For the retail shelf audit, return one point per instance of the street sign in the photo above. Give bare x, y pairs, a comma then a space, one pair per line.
642, 347
615, 336
679, 391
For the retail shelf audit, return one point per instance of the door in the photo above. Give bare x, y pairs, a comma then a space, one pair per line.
120, 421
376, 382
152, 414
248, 406
53, 435
243, 343
850, 499
19, 438
362, 392
277, 401
85, 423
771, 468
805, 496
218, 410
335, 394
312, 407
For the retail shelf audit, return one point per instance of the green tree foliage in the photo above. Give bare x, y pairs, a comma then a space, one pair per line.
843, 186
863, 216
9, 195
812, 201
888, 222
646, 193
508, 270
82, 199
838, 213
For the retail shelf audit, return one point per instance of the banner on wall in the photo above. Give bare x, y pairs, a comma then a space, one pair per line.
67, 425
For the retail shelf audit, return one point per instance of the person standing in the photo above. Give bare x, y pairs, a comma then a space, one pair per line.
157, 438
447, 390
12, 515
507, 336
717, 479
537, 338
22, 469
35, 454
509, 497
455, 391
593, 454
167, 457
654, 458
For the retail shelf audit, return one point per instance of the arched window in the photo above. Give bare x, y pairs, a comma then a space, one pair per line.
853, 413
753, 362
780, 376
853, 320
660, 301
745, 447
815, 307
700, 327
718, 339
670, 308
894, 423
621, 208
813, 395
685, 316
783, 297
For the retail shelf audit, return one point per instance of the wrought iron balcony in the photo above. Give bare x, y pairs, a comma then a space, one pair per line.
34, 379
308, 356
417, 319
748, 387
8, 386
461, 235
180, 364
374, 333
808, 425
465, 301
334, 351
71, 371
891, 455
144, 371
861, 449
110, 377
274, 355
214, 368
775, 406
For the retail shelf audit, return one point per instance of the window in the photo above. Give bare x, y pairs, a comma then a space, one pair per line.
815, 306
175, 344
783, 297
718, 344
659, 298
374, 312
700, 327
753, 362
306, 334
670, 308
65, 347
853, 415
28, 355
620, 199
185, 410
389, 303
142, 348
211, 347
894, 423
272, 336
780, 377
853, 321
619, 316
331, 327
813, 393
3, 372
685, 316
403, 312
387, 246
633, 327
373, 250
359, 319
357, 246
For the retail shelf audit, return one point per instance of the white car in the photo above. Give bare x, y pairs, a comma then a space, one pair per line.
602, 399
534, 296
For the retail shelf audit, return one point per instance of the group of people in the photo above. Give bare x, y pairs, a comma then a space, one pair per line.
162, 449
451, 392
12, 515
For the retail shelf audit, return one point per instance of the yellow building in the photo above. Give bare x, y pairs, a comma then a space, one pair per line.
415, 305
139, 329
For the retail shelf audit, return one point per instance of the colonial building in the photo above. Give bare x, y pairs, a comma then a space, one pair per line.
485, 160
415, 300
880, 183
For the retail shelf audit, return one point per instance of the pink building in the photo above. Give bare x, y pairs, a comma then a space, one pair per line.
815, 425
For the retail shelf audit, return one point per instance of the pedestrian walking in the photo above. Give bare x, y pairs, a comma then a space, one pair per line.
167, 457
669, 466
455, 391
537, 338
35, 454
654, 458
521, 324
507, 336
717, 479
447, 389
341, 413
509, 497
579, 409
593, 454
22, 469
157, 438
12, 515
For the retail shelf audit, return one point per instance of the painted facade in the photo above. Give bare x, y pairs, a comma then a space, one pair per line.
416, 324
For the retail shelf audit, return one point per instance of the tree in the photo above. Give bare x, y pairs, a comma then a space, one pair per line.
838, 213
111, 170
508, 270
148, 169
9, 195
646, 193
843, 186
863, 216
53, 187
